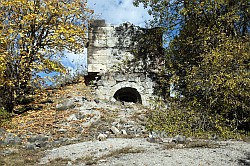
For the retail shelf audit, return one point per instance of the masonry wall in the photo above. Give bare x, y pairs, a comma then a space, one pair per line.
109, 46
104, 50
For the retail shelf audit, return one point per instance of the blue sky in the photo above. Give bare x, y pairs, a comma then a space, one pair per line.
114, 12
119, 11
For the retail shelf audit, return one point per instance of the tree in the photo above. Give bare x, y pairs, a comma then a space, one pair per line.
208, 56
34, 33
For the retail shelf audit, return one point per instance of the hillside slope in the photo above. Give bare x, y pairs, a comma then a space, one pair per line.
69, 126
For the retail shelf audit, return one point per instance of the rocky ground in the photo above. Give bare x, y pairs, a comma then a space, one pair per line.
138, 151
71, 127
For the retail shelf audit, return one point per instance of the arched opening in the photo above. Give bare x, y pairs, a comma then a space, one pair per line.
128, 94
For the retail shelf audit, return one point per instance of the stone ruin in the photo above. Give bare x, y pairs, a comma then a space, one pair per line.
112, 66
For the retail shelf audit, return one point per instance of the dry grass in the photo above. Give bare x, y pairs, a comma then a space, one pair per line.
126, 150
19, 157
48, 119
58, 162
91, 160
43, 121
246, 138
192, 144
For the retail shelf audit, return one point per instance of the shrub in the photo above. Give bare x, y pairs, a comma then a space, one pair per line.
179, 119
5, 116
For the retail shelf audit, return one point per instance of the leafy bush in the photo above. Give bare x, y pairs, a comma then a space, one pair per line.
207, 62
4, 116
182, 120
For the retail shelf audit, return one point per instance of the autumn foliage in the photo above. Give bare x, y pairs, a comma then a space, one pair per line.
207, 59
34, 35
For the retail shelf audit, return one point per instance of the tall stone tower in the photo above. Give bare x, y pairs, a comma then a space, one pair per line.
110, 48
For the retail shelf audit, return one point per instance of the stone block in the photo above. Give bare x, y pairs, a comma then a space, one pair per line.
111, 42
142, 77
109, 30
131, 79
100, 43
150, 91
120, 77
149, 84
102, 137
179, 139
97, 23
115, 130
97, 67
100, 83
111, 83
98, 59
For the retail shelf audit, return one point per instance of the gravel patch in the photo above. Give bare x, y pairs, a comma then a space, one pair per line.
97, 149
230, 153
225, 156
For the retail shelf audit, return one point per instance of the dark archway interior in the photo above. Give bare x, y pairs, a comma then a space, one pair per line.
128, 95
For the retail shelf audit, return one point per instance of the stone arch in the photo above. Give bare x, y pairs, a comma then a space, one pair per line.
128, 94
132, 88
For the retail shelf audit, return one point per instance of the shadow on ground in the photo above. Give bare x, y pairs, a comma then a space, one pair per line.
245, 161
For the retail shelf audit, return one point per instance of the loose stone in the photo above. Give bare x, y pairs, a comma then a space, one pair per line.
115, 130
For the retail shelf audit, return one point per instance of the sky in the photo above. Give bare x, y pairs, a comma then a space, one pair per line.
115, 12
118, 11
